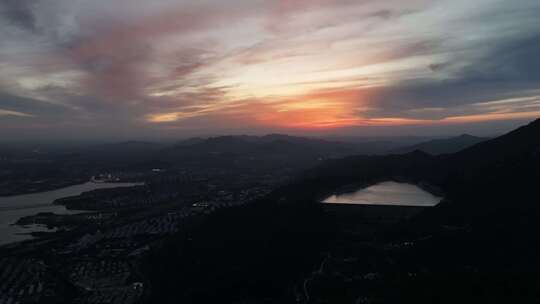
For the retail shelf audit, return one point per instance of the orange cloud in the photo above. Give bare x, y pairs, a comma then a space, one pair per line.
491, 117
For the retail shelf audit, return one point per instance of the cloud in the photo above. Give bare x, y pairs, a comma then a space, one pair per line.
172, 64
32, 107
19, 12
508, 70
13, 113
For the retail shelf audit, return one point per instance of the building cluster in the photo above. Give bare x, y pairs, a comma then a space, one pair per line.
22, 281
99, 255
104, 281
115, 199
160, 225
103, 273
118, 295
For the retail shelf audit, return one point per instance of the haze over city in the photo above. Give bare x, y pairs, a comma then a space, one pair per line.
129, 69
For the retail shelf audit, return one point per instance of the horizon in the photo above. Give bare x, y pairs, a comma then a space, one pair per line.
123, 70
172, 140
338, 137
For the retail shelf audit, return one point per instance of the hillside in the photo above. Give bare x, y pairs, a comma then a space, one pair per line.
443, 146
487, 224
480, 245
255, 151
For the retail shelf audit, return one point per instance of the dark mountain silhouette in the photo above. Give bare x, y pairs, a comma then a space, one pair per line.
515, 144
259, 146
487, 224
443, 146
495, 158
479, 245
377, 145
496, 176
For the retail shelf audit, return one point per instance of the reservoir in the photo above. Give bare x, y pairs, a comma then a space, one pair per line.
387, 194
14, 207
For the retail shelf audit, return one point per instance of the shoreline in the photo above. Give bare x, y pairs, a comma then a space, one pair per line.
49, 219
354, 187
68, 184
46, 188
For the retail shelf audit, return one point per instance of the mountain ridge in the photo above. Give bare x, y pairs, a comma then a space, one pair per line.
443, 145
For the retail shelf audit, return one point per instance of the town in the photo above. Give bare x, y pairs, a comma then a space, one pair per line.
94, 256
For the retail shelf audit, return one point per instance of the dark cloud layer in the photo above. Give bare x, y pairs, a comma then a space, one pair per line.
19, 12
508, 70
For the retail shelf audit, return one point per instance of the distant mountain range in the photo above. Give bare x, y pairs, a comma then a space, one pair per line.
254, 151
136, 151
443, 146
264, 144
518, 150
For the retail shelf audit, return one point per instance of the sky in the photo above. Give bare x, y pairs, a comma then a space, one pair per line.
75, 69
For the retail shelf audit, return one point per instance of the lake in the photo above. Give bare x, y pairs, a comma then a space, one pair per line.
13, 208
387, 193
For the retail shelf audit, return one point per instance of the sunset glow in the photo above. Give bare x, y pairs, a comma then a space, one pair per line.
180, 65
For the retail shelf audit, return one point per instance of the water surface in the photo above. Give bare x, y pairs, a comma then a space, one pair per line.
13, 208
387, 193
